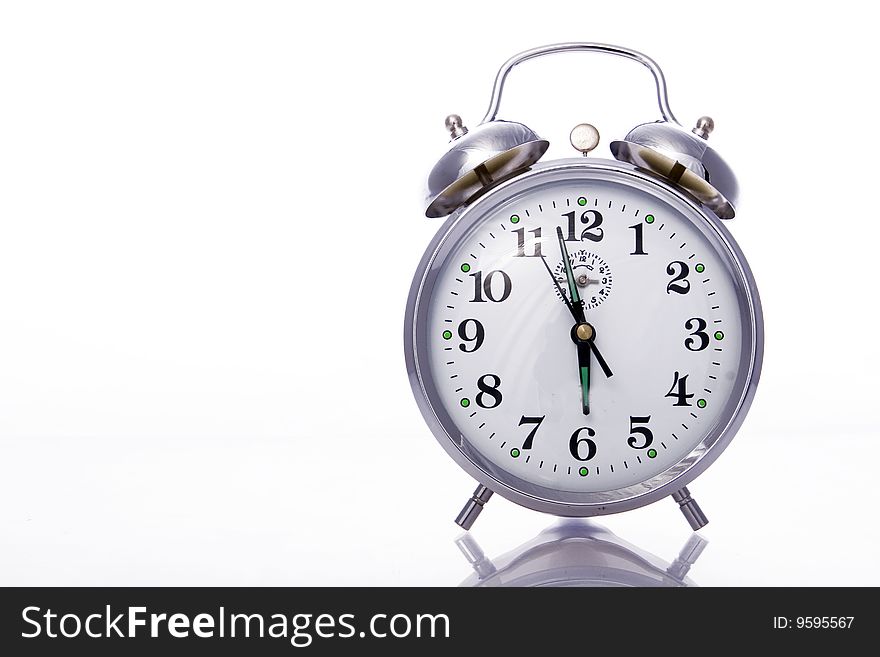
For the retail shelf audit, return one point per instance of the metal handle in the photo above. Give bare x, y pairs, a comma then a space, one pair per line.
650, 64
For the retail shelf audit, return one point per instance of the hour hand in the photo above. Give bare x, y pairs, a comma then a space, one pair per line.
601, 361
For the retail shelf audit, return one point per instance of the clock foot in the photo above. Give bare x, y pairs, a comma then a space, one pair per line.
475, 556
473, 508
687, 557
691, 510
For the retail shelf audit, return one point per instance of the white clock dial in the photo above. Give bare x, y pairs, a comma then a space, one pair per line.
667, 321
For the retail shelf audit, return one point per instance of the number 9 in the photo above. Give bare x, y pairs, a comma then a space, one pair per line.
479, 334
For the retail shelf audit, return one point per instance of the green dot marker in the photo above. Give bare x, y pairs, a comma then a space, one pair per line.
582, 201
719, 335
583, 472
514, 218
700, 268
447, 335
649, 219
652, 453
465, 268
701, 403
465, 402
514, 452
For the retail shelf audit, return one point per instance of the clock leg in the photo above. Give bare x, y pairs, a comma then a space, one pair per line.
691, 510
475, 556
473, 508
688, 556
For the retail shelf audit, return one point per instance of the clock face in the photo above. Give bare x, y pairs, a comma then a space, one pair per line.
659, 367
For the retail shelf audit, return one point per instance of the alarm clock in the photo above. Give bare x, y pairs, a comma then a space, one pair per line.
583, 336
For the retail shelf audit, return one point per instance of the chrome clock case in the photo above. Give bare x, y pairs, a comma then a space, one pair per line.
498, 161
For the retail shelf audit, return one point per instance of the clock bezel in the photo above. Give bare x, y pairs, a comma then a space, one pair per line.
554, 501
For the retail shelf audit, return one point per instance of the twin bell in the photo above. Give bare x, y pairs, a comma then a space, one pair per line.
496, 150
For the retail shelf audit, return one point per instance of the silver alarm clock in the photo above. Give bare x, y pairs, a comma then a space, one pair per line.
583, 336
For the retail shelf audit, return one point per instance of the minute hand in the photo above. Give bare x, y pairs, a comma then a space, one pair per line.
577, 310
562, 296
577, 306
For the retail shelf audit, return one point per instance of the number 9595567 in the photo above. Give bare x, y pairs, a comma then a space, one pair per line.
813, 622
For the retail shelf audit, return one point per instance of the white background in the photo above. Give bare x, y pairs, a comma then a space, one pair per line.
210, 214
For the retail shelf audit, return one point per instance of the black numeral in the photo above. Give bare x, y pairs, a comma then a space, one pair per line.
592, 232
489, 390
645, 432
521, 243
593, 220
678, 391
531, 420
482, 286
640, 240
477, 338
698, 340
574, 445
679, 283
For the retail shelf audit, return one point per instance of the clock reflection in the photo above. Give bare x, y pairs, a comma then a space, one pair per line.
579, 553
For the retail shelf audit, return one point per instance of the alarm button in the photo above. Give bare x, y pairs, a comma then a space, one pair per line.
584, 138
